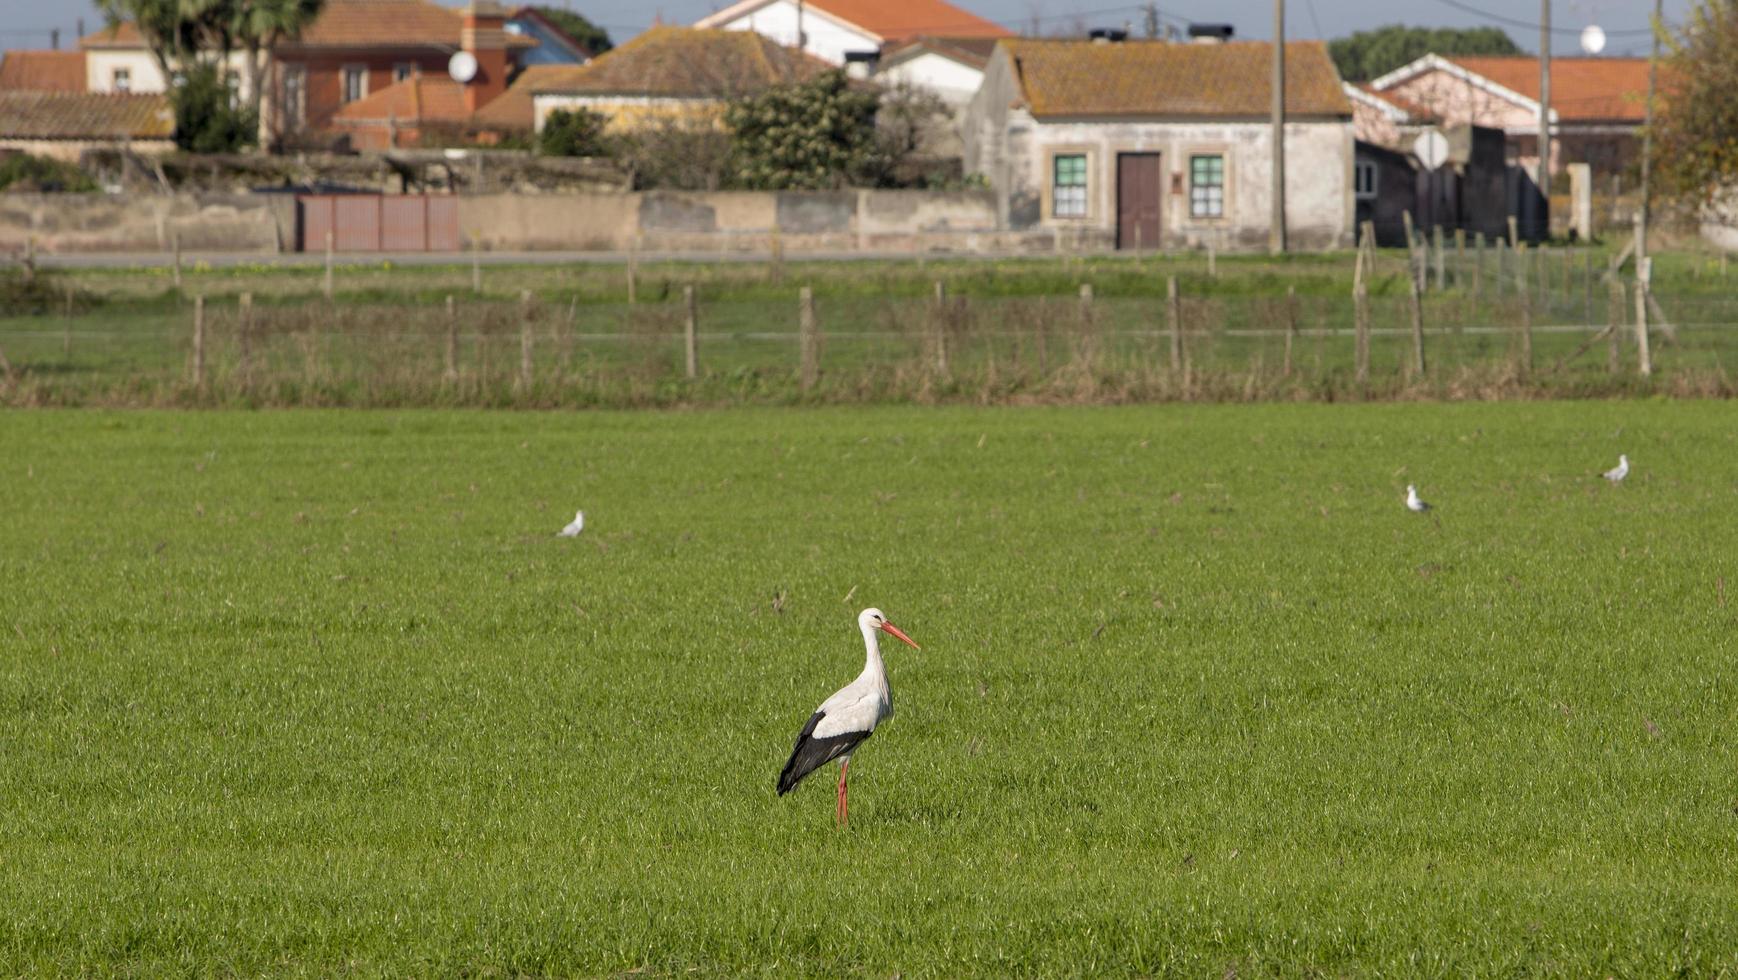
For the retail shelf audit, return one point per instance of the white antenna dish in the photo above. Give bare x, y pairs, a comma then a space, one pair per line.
1593, 39
462, 66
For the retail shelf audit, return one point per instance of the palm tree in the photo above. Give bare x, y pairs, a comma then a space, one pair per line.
170, 35
259, 26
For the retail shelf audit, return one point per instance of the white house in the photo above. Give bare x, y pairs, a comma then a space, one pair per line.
831, 29
1156, 144
951, 67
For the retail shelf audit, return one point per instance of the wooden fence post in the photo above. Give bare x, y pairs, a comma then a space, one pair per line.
634, 271
778, 255
525, 339
29, 268
1643, 277
66, 323
1088, 333
1503, 251
1361, 327
175, 243
1514, 232
690, 332
1441, 260
807, 342
1212, 261
1478, 269
938, 328
1174, 319
1526, 326
1417, 332
244, 336
452, 353
1412, 270
1290, 325
199, 341
476, 263
328, 287
1614, 325
1460, 258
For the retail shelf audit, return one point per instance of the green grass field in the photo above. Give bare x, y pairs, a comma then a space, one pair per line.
320, 694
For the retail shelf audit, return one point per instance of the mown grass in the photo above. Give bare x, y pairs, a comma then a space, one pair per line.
320, 693
1016, 331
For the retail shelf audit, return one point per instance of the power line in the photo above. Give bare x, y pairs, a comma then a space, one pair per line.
1534, 25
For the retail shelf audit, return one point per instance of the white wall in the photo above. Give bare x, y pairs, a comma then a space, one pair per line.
954, 82
100, 65
828, 39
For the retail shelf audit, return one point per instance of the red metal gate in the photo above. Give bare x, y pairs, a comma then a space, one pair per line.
377, 222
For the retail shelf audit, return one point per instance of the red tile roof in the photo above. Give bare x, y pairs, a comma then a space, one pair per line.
42, 71
890, 20
1414, 112
417, 99
1582, 89
81, 116
1161, 78
350, 24
686, 62
512, 109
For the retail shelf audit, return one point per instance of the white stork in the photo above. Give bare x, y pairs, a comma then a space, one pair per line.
1622, 469
844, 720
1414, 503
574, 527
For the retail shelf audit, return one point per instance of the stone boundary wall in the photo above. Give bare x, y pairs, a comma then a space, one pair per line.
246, 223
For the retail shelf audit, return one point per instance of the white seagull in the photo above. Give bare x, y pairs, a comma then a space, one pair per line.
572, 530
843, 721
1617, 474
1413, 503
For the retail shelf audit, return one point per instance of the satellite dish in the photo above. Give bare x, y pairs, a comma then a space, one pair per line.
1593, 39
462, 66
1431, 149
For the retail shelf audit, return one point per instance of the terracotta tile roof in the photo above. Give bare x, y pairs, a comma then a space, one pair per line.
974, 51
686, 62
350, 24
1582, 89
890, 20
71, 116
512, 109
1415, 113
42, 71
418, 99
1160, 78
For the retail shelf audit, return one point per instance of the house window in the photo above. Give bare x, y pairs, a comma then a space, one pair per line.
355, 82
295, 94
123, 80
1364, 180
402, 71
1207, 186
1068, 188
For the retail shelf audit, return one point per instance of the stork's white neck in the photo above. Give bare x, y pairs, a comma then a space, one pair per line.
872, 643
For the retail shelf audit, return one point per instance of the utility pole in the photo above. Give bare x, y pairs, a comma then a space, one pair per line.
1544, 180
1276, 232
802, 36
1152, 20
1647, 140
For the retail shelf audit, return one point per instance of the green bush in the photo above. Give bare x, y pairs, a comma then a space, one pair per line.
574, 133
23, 172
208, 117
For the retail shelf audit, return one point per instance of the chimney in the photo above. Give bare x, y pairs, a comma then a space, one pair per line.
1210, 33
484, 35
861, 64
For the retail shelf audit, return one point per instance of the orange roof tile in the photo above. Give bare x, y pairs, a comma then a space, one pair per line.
686, 62
1414, 111
350, 24
81, 115
1161, 78
1582, 89
418, 99
512, 109
42, 71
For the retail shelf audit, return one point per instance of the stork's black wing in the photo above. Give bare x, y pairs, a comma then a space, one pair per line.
812, 753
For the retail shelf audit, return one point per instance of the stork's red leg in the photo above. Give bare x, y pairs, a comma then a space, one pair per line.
841, 814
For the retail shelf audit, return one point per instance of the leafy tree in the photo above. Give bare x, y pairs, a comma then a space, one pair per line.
172, 36
811, 135
207, 116
575, 133
1696, 128
1371, 54
590, 36
258, 27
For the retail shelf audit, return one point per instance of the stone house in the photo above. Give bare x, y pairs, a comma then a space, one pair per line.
1160, 144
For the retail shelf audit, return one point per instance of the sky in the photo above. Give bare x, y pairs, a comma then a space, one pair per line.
26, 23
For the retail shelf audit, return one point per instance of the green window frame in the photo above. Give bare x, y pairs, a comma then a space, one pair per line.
1068, 185
1207, 185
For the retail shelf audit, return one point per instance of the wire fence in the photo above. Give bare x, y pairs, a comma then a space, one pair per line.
1454, 321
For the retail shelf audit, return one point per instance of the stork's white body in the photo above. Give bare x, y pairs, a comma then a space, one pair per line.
572, 530
1622, 470
1414, 503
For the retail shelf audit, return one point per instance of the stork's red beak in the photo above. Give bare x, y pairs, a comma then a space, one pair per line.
896, 631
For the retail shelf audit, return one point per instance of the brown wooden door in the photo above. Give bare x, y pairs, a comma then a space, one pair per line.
1139, 198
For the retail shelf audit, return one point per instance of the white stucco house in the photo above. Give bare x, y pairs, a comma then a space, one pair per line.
950, 67
1160, 144
832, 29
